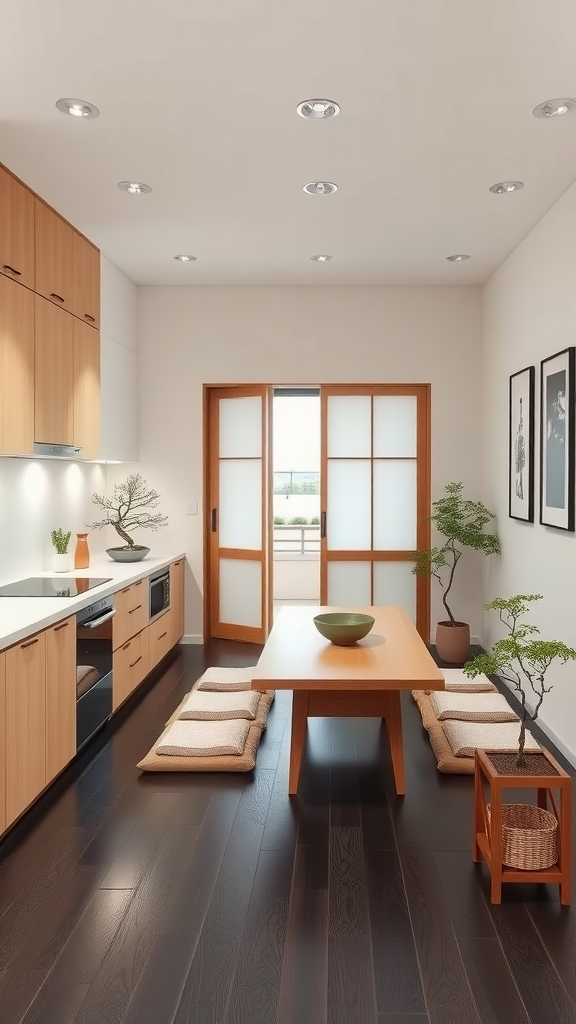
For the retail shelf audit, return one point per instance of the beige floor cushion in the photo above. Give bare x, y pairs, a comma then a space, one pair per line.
243, 762
425, 707
203, 739
203, 705
264, 703
472, 707
226, 679
465, 737
447, 762
458, 682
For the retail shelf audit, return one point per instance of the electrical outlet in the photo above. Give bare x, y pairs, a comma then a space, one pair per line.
191, 508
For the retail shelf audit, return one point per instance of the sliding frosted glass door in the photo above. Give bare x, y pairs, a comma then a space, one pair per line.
238, 513
375, 496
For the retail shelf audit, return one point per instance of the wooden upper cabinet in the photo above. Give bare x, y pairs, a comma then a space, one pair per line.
86, 389
16, 369
16, 230
54, 374
86, 280
54, 254
60, 696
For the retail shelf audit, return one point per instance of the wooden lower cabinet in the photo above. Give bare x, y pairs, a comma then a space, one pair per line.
131, 665
160, 638
60, 696
132, 612
177, 601
25, 724
2, 741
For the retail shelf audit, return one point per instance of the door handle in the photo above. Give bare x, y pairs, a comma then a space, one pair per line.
322, 525
53, 295
214, 515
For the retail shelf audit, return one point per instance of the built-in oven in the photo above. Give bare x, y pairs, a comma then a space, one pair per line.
93, 668
159, 592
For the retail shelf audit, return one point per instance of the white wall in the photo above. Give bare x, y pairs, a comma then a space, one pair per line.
191, 336
529, 313
119, 365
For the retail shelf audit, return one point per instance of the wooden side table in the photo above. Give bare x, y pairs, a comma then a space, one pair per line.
548, 778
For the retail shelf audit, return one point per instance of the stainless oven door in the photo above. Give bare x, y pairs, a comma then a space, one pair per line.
93, 669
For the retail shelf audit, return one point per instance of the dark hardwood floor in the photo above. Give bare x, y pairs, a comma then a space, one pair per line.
130, 898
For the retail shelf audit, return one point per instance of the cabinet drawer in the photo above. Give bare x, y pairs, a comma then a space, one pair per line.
160, 638
130, 666
131, 606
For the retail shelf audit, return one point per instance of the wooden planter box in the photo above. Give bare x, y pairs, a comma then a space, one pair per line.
545, 776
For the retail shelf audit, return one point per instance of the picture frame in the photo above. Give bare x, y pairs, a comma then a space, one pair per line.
521, 445
557, 440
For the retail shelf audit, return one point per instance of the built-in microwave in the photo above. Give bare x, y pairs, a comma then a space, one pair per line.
159, 592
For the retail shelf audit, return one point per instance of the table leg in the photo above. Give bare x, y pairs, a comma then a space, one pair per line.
300, 701
392, 715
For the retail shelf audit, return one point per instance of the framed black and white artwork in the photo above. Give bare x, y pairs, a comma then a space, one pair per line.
521, 446
557, 440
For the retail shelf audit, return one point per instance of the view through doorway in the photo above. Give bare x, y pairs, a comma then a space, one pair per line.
296, 496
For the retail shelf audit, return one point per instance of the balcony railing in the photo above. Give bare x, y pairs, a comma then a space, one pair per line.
297, 540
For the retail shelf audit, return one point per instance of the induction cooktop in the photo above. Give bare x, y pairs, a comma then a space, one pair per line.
48, 586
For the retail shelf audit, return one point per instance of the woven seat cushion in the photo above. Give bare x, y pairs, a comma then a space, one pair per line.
472, 707
458, 682
446, 760
243, 762
201, 705
465, 737
226, 679
263, 707
425, 707
203, 739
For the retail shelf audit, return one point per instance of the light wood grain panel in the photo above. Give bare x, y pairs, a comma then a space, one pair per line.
60, 696
86, 402
53, 256
54, 374
132, 606
16, 368
392, 656
2, 741
131, 665
177, 602
25, 724
86, 280
16, 229
160, 638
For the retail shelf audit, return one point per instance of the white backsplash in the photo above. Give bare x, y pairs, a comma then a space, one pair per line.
37, 496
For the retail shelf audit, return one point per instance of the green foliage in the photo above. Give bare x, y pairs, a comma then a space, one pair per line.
279, 521
463, 524
305, 487
298, 521
315, 521
521, 658
61, 540
126, 508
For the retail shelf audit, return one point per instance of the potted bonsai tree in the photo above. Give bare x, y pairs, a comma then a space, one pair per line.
128, 508
62, 560
521, 658
463, 523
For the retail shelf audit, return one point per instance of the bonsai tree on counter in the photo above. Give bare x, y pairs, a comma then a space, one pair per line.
521, 659
128, 508
463, 523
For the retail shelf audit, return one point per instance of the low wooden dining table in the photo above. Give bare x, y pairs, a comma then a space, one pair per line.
363, 680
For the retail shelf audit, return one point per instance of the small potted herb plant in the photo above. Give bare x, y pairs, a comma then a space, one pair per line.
128, 509
62, 560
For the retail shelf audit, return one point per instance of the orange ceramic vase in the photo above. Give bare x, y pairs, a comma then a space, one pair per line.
82, 554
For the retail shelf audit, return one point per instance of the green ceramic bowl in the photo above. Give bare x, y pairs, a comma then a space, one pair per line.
343, 628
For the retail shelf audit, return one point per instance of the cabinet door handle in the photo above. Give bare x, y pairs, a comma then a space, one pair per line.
165, 633
130, 610
322, 525
63, 626
54, 296
138, 583
29, 644
92, 319
132, 663
12, 270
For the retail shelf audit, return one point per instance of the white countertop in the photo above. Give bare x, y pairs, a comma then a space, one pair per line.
21, 616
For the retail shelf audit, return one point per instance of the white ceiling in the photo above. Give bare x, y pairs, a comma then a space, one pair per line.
198, 99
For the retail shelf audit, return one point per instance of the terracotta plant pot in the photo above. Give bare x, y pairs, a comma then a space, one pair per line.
453, 642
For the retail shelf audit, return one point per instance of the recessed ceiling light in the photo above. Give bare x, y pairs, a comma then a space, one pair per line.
553, 108
320, 188
77, 108
186, 259
321, 258
458, 258
135, 188
502, 187
318, 109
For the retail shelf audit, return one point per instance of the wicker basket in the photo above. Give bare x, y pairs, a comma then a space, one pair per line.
529, 837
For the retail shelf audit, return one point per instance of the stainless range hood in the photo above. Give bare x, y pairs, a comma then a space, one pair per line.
56, 451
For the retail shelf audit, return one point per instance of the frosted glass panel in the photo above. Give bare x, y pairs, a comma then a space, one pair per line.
394, 583
349, 426
348, 521
349, 583
241, 592
395, 505
240, 511
240, 427
395, 426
